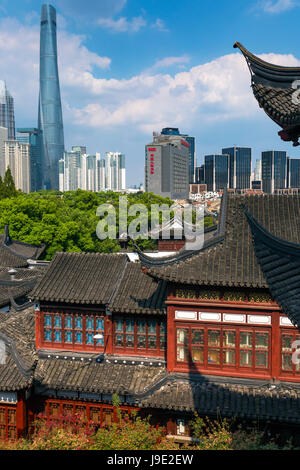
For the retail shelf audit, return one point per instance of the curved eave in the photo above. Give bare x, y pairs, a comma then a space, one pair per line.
284, 246
259, 61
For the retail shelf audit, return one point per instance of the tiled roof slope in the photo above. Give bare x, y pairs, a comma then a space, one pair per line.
255, 400
278, 104
232, 262
91, 377
139, 293
14, 253
81, 278
280, 263
17, 332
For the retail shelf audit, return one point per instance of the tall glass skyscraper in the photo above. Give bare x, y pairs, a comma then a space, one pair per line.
240, 162
274, 170
7, 114
216, 172
50, 121
32, 136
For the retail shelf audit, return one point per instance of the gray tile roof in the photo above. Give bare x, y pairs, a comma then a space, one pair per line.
139, 293
232, 261
82, 278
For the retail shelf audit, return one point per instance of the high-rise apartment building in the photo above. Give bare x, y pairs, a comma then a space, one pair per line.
192, 149
167, 166
3, 139
17, 158
240, 161
91, 172
216, 170
293, 172
50, 120
274, 170
257, 171
7, 113
32, 136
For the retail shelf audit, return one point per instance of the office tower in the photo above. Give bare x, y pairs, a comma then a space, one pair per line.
192, 149
274, 170
293, 172
100, 173
7, 114
32, 136
50, 120
257, 171
70, 172
3, 138
17, 158
240, 159
167, 166
199, 174
216, 172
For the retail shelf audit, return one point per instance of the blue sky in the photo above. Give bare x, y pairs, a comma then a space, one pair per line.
130, 67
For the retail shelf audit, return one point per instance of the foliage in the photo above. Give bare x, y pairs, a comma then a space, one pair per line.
66, 222
7, 186
133, 432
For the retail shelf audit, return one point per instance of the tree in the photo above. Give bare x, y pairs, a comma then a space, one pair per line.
7, 186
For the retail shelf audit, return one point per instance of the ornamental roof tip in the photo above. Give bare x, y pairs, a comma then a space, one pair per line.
276, 88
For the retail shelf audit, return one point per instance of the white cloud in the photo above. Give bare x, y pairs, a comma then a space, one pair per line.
160, 25
278, 6
170, 61
214, 92
122, 25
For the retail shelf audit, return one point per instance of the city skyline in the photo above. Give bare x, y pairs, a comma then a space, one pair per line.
111, 101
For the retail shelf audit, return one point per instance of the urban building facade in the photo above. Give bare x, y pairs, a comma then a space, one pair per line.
293, 172
50, 121
7, 113
32, 136
17, 158
216, 172
192, 149
274, 170
167, 166
3, 139
91, 172
240, 161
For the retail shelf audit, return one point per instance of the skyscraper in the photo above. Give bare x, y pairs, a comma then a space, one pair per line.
240, 162
216, 172
7, 114
3, 138
50, 121
192, 149
293, 172
32, 136
274, 170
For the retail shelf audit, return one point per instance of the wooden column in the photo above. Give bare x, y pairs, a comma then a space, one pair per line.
171, 339
21, 421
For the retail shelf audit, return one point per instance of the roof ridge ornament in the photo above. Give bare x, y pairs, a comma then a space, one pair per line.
276, 88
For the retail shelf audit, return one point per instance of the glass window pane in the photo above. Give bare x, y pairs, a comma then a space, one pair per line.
213, 337
152, 326
287, 362
78, 337
141, 326
198, 337
246, 358
89, 323
261, 340
182, 353
245, 340
197, 354
287, 341
182, 336
68, 337
229, 357
129, 326
78, 323
119, 340
214, 356
261, 359
90, 339
129, 341
47, 320
68, 322
57, 321
119, 325
57, 336
48, 335
141, 341
229, 339
152, 342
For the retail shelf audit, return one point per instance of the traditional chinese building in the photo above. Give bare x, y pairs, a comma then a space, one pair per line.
210, 331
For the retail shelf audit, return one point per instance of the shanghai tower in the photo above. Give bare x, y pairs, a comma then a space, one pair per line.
50, 122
